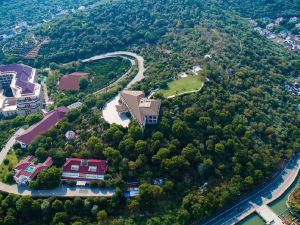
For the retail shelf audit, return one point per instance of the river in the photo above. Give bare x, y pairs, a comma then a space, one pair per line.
278, 206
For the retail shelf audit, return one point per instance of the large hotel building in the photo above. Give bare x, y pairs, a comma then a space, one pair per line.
19, 91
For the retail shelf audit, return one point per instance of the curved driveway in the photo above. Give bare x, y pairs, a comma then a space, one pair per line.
109, 112
139, 76
266, 194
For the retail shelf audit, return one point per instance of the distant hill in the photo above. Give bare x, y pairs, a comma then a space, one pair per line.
35, 11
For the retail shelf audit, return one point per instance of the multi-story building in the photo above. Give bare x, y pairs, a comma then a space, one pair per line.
144, 110
19, 91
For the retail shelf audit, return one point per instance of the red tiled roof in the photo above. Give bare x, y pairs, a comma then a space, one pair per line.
28, 162
84, 169
71, 81
49, 121
25, 163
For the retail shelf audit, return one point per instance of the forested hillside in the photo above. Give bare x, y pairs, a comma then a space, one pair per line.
232, 135
264, 8
34, 11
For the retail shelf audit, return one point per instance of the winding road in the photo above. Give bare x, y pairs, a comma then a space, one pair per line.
63, 190
269, 192
109, 112
141, 69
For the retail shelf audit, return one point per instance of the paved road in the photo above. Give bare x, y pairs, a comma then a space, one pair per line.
268, 193
139, 76
62, 191
109, 112
9, 144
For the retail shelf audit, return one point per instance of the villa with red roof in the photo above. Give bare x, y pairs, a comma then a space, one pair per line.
26, 170
49, 121
84, 170
19, 91
71, 81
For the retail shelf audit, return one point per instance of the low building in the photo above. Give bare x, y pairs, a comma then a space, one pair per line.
75, 105
270, 26
26, 170
196, 69
19, 91
71, 81
70, 135
279, 20
84, 170
144, 110
49, 121
293, 19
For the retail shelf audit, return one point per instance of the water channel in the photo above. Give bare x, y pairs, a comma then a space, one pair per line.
278, 206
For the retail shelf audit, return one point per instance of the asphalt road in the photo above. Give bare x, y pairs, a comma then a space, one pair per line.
109, 112
269, 192
139, 76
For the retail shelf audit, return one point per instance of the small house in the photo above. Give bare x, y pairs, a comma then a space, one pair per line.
26, 170
84, 171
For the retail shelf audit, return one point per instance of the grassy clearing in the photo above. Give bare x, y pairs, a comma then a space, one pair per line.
182, 85
4, 169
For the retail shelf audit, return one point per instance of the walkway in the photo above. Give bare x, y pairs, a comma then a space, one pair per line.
267, 193
9, 144
268, 215
61, 191
46, 97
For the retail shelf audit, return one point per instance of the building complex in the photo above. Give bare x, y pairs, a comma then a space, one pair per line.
19, 91
144, 110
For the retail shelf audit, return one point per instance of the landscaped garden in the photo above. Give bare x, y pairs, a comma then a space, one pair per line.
7, 166
182, 85
294, 200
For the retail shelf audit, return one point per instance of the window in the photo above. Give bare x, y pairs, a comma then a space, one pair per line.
92, 168
71, 175
84, 162
75, 167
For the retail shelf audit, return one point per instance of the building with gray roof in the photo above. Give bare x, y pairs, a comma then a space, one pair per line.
144, 110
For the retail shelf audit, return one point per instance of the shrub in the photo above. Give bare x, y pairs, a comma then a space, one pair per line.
6, 162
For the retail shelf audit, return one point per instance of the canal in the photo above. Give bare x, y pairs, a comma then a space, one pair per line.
278, 206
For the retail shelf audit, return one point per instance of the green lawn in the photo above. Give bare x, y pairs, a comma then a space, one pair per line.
4, 169
185, 84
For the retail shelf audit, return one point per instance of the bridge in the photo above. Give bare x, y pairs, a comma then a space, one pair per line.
268, 215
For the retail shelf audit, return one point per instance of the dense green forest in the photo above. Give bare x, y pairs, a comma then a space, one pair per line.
34, 11
233, 134
264, 8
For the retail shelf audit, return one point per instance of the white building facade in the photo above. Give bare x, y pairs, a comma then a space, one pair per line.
19, 91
